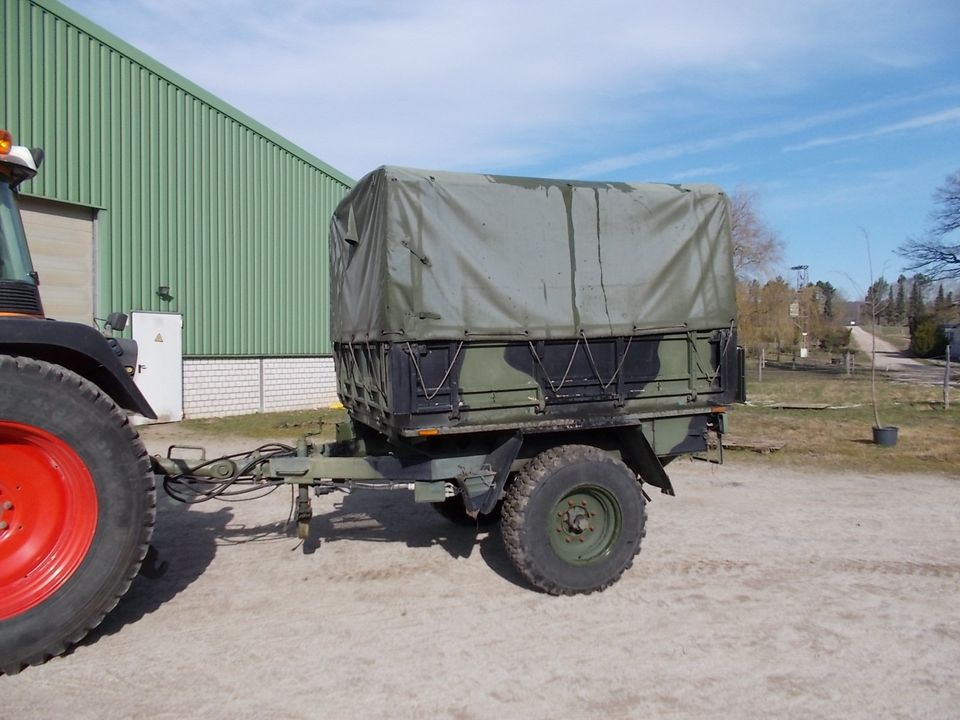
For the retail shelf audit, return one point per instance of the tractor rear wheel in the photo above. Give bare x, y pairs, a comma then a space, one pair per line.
77, 508
573, 520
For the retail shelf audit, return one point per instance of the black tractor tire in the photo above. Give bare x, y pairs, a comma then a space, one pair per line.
573, 520
453, 510
75, 481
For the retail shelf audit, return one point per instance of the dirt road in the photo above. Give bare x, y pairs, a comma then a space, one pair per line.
759, 593
898, 366
888, 356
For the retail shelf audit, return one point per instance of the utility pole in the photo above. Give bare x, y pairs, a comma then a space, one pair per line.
796, 307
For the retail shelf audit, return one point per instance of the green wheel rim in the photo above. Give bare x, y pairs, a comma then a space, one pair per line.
585, 524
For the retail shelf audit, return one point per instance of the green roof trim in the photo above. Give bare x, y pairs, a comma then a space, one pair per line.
107, 38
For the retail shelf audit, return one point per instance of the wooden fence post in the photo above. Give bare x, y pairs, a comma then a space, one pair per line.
946, 382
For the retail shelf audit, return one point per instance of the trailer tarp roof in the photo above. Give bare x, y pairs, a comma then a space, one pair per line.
435, 255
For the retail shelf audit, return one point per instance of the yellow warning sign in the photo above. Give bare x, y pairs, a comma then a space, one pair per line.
158, 338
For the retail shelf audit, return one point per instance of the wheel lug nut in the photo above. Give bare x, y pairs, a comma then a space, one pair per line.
567, 540
583, 502
591, 528
581, 539
570, 503
3, 525
8, 505
593, 514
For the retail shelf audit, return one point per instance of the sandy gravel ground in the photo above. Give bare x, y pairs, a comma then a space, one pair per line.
759, 593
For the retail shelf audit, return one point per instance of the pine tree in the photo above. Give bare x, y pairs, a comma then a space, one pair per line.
828, 292
940, 303
901, 302
889, 310
917, 308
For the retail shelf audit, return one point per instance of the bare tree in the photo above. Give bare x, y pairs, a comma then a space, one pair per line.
946, 217
756, 246
933, 253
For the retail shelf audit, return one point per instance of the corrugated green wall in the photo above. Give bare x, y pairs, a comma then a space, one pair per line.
193, 194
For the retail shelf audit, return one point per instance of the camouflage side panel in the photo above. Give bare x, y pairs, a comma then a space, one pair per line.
401, 388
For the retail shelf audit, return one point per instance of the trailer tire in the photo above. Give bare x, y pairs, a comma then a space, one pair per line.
453, 510
77, 509
573, 520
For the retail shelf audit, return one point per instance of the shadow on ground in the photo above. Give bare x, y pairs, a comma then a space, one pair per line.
186, 542
379, 516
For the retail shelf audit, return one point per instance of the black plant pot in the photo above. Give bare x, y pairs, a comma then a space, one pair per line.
886, 436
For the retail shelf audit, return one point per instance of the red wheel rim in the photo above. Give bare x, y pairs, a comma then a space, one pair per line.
48, 516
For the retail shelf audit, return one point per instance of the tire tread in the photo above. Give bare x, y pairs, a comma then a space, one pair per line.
102, 403
515, 511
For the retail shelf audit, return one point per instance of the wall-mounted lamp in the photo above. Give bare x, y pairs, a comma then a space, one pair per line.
164, 293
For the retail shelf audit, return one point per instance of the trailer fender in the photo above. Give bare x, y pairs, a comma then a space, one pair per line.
485, 497
639, 456
79, 348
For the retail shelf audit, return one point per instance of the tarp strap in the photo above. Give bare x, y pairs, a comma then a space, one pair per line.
377, 385
555, 388
353, 356
722, 358
430, 395
593, 364
723, 354
378, 379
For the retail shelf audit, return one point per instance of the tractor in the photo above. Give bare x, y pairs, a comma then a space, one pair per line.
77, 494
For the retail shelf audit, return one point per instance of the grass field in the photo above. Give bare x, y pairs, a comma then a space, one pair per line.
929, 436
275, 426
840, 438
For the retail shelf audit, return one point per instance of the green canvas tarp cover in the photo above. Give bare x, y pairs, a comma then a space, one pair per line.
441, 256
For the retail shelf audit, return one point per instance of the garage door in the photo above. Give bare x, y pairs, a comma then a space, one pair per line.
61, 245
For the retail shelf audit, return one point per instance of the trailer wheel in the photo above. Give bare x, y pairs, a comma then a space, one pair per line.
453, 510
573, 520
77, 508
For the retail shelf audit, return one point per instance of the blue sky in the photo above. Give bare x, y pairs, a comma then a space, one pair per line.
843, 117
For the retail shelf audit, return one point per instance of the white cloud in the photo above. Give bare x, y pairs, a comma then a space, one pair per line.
949, 116
497, 84
773, 129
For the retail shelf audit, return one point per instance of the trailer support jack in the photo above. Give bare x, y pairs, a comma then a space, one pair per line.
304, 511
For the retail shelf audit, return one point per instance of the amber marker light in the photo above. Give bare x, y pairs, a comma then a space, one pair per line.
428, 432
6, 142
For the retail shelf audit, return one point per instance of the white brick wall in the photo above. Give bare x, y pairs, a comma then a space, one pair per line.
215, 387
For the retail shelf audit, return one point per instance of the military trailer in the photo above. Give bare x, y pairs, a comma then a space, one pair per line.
530, 350
522, 350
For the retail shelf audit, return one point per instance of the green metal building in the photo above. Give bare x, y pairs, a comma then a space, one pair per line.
157, 196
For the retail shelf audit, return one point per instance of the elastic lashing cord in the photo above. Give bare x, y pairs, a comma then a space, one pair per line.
377, 384
353, 356
723, 354
423, 385
555, 388
593, 364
